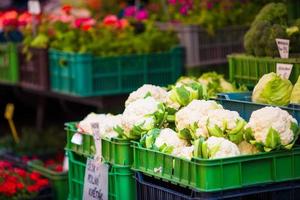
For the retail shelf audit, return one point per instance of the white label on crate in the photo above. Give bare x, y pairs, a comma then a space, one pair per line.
97, 139
95, 180
77, 139
283, 47
34, 7
284, 70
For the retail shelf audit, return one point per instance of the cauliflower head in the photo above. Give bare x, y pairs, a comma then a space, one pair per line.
188, 118
225, 123
217, 147
141, 116
271, 128
158, 93
247, 148
84, 126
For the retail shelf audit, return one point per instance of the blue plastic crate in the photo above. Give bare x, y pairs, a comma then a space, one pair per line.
241, 102
150, 188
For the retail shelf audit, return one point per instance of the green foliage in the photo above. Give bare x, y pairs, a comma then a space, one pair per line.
268, 25
295, 96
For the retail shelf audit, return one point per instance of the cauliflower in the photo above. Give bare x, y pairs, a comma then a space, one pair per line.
185, 152
84, 126
271, 128
106, 127
158, 93
217, 147
183, 93
247, 148
169, 138
187, 118
225, 123
106, 123
167, 141
141, 116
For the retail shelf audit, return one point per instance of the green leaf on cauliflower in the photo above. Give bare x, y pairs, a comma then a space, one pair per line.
215, 131
273, 139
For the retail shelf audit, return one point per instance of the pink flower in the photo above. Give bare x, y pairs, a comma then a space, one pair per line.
173, 2
123, 23
130, 11
209, 5
110, 20
141, 15
184, 10
84, 22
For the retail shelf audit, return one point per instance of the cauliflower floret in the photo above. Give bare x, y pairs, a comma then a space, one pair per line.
84, 126
106, 127
271, 117
195, 112
170, 138
106, 123
158, 93
247, 148
136, 114
220, 148
224, 119
184, 152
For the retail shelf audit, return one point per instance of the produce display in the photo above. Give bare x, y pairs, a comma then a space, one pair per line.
196, 128
183, 132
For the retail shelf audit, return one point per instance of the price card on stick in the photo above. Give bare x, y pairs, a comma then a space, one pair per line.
34, 7
96, 172
95, 180
284, 70
283, 47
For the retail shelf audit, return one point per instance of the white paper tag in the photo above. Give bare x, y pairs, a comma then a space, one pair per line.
97, 140
77, 139
284, 70
65, 164
95, 181
34, 7
283, 47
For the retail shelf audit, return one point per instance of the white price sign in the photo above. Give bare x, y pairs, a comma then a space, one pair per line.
95, 181
77, 139
34, 7
97, 139
284, 70
283, 47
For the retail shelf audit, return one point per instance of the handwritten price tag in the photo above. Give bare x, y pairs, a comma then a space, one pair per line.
284, 70
95, 181
97, 139
34, 7
283, 47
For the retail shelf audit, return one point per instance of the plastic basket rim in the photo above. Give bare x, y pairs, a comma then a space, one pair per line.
293, 107
175, 47
278, 59
240, 158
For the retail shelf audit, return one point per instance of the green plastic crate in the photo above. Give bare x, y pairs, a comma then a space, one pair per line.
59, 180
114, 151
121, 183
219, 174
87, 75
245, 69
9, 68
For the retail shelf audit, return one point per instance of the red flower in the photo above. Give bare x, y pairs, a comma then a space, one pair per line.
42, 182
9, 189
111, 20
20, 172
34, 176
5, 164
33, 188
20, 186
67, 9
59, 168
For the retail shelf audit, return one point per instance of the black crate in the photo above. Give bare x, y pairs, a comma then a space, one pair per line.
149, 188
